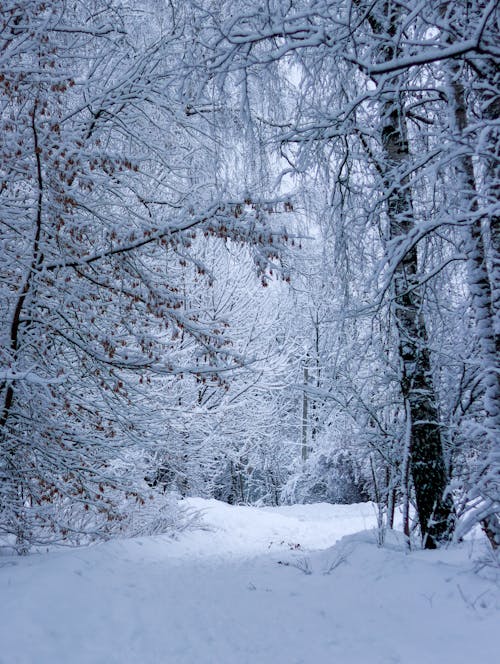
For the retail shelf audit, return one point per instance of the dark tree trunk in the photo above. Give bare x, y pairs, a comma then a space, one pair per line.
430, 478
428, 469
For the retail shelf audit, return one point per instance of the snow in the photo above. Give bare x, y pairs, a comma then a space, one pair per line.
284, 585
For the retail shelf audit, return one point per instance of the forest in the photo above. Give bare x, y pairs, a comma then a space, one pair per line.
249, 251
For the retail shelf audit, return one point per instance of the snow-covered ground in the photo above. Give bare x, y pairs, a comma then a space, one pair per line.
260, 586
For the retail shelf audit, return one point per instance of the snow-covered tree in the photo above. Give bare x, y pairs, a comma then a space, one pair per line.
367, 80
105, 184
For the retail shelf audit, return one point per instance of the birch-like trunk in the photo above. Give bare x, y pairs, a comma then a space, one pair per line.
484, 288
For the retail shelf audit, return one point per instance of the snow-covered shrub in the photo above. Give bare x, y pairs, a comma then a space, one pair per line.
156, 513
255, 476
334, 476
143, 512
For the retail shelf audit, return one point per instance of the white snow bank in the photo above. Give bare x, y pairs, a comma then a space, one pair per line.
208, 599
237, 530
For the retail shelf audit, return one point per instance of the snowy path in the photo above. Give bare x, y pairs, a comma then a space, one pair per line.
221, 596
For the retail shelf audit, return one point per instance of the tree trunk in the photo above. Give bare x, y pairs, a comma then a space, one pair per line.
305, 404
435, 508
484, 289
